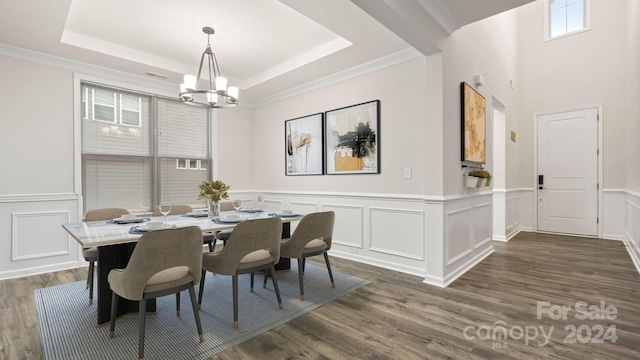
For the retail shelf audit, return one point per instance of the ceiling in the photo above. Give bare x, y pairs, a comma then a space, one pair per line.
263, 46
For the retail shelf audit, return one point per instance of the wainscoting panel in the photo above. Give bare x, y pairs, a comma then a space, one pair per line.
25, 227
468, 233
482, 225
613, 216
349, 224
459, 232
391, 229
513, 214
32, 240
632, 226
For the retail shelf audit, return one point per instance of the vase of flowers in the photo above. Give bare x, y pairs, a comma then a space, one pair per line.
213, 191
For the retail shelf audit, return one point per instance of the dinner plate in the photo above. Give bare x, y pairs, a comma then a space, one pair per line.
128, 221
197, 214
227, 221
145, 228
285, 215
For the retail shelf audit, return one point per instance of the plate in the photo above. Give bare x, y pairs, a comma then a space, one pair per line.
250, 210
197, 214
226, 221
285, 215
128, 221
145, 228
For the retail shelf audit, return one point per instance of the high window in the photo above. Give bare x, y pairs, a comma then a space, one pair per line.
136, 147
566, 17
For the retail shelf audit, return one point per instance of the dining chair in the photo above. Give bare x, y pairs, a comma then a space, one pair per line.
91, 254
254, 245
208, 238
163, 262
311, 237
176, 209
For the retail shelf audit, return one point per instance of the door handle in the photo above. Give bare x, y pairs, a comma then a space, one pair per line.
541, 188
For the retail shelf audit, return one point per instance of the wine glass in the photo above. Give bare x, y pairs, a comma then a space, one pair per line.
165, 209
260, 200
145, 205
237, 203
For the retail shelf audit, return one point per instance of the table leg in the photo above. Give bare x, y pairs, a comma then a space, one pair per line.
112, 257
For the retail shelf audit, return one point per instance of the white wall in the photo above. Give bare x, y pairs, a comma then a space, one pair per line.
489, 48
36, 153
404, 133
632, 128
588, 68
36, 141
235, 148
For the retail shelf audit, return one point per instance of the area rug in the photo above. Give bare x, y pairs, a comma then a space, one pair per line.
68, 324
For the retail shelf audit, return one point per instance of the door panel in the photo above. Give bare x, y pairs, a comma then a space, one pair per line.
568, 161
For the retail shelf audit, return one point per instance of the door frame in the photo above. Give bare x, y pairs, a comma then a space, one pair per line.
600, 117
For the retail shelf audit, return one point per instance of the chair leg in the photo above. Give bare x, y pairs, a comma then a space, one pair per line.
275, 284
196, 313
114, 309
90, 281
201, 288
142, 311
300, 276
326, 260
264, 282
304, 263
235, 300
252, 278
178, 304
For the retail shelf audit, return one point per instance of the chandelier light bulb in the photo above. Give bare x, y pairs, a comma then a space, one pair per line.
221, 83
233, 92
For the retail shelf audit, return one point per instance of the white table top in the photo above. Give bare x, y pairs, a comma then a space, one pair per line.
101, 233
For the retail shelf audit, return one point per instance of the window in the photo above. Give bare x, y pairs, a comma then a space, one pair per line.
566, 17
134, 147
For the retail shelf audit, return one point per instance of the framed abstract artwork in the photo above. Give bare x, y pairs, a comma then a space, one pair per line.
352, 138
303, 145
473, 125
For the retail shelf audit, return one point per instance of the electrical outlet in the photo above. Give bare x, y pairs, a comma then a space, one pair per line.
407, 173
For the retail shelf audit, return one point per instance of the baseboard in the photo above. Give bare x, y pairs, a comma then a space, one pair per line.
612, 237
12, 274
468, 266
635, 257
377, 263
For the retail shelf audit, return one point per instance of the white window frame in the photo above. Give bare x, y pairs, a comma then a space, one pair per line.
186, 164
93, 106
547, 21
139, 111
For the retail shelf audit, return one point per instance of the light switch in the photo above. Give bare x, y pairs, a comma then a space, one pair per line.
407, 173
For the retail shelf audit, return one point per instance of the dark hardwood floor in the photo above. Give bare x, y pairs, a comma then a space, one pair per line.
396, 316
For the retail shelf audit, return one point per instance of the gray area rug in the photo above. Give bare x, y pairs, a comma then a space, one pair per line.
68, 329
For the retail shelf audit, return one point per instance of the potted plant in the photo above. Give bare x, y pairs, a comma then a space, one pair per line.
478, 178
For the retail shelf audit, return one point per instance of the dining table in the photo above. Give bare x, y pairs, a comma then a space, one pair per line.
116, 240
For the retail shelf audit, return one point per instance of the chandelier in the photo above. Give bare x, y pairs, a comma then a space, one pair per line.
215, 93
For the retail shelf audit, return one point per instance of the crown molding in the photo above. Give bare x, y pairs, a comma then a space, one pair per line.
368, 67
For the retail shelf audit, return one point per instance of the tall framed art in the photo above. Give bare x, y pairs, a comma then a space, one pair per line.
352, 137
473, 125
303, 145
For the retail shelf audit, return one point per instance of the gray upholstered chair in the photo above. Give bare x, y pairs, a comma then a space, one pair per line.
91, 254
207, 237
254, 245
311, 237
163, 262
176, 209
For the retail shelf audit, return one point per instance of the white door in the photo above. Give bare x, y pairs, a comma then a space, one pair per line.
567, 186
